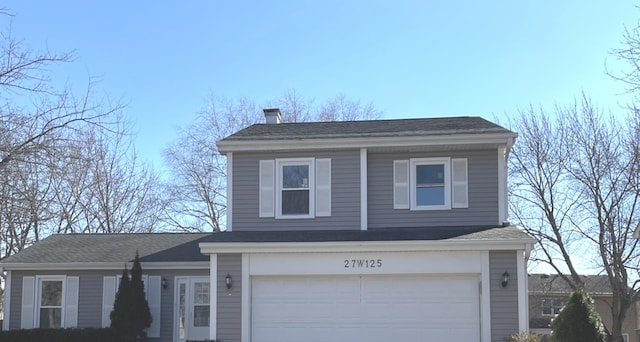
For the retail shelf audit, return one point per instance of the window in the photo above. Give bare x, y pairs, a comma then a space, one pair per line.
430, 183
201, 310
295, 188
50, 303
551, 306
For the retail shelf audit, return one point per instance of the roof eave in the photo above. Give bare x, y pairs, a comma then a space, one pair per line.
225, 146
364, 246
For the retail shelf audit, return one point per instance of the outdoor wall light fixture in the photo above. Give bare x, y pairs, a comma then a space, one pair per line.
505, 279
227, 281
164, 283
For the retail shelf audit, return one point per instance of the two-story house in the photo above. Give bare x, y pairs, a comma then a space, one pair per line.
344, 231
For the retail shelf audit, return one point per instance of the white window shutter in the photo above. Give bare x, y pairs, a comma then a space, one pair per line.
400, 184
108, 297
72, 288
28, 300
323, 187
153, 298
267, 188
459, 183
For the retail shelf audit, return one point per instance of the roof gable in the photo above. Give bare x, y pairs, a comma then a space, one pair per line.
555, 284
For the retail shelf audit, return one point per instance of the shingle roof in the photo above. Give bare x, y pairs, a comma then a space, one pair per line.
368, 128
387, 234
555, 284
121, 248
175, 247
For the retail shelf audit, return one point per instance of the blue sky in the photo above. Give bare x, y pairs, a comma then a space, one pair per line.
410, 58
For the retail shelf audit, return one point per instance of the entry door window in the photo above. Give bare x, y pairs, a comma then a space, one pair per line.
182, 310
201, 304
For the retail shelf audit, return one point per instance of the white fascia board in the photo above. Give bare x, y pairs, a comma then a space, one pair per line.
375, 142
195, 265
361, 246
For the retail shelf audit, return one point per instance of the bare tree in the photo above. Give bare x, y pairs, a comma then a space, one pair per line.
574, 177
198, 171
66, 164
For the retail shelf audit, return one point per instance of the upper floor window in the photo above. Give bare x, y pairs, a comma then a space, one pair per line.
430, 183
294, 197
295, 188
551, 306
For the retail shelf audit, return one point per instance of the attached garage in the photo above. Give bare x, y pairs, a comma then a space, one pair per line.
372, 308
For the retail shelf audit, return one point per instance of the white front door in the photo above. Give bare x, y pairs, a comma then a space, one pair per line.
192, 308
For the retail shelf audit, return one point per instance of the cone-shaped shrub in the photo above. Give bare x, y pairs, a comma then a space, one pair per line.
578, 321
141, 318
121, 315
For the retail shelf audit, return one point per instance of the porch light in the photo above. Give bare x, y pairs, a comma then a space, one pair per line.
505, 279
227, 281
164, 283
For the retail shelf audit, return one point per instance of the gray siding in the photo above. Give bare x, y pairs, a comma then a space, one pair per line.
504, 301
482, 185
345, 193
229, 301
90, 297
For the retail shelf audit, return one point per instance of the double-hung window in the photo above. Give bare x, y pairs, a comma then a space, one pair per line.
430, 183
50, 299
295, 188
295, 195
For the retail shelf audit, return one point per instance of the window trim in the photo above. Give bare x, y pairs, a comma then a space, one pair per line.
413, 163
553, 306
38, 298
280, 163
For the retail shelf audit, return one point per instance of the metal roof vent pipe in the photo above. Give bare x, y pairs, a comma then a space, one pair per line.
272, 116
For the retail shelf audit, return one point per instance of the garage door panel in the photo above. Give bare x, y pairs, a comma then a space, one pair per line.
365, 308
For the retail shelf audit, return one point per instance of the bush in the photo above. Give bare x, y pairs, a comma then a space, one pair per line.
523, 337
578, 321
59, 335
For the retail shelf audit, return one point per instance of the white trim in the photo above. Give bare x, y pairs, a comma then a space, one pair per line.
362, 246
229, 202
502, 186
109, 289
6, 302
37, 299
165, 265
280, 163
413, 164
523, 307
485, 299
432, 139
213, 297
363, 190
245, 321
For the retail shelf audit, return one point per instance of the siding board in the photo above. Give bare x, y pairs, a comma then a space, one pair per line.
345, 193
229, 301
482, 186
504, 301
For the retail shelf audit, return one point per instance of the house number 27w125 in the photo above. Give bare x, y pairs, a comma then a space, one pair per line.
362, 263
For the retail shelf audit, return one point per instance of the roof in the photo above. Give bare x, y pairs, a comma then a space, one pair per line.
476, 233
115, 248
368, 128
64, 249
555, 284
432, 132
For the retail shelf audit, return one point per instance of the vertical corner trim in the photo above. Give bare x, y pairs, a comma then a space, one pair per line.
213, 294
502, 186
229, 211
523, 291
485, 298
245, 320
6, 302
364, 205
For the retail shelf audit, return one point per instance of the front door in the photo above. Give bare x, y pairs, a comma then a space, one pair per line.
192, 309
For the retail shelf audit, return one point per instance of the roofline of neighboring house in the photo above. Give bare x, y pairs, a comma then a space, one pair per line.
256, 145
565, 293
366, 246
160, 265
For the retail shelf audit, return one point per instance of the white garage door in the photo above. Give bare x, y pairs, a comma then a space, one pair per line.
365, 308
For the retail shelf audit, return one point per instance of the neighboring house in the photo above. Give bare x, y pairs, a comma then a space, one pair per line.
548, 294
387, 230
